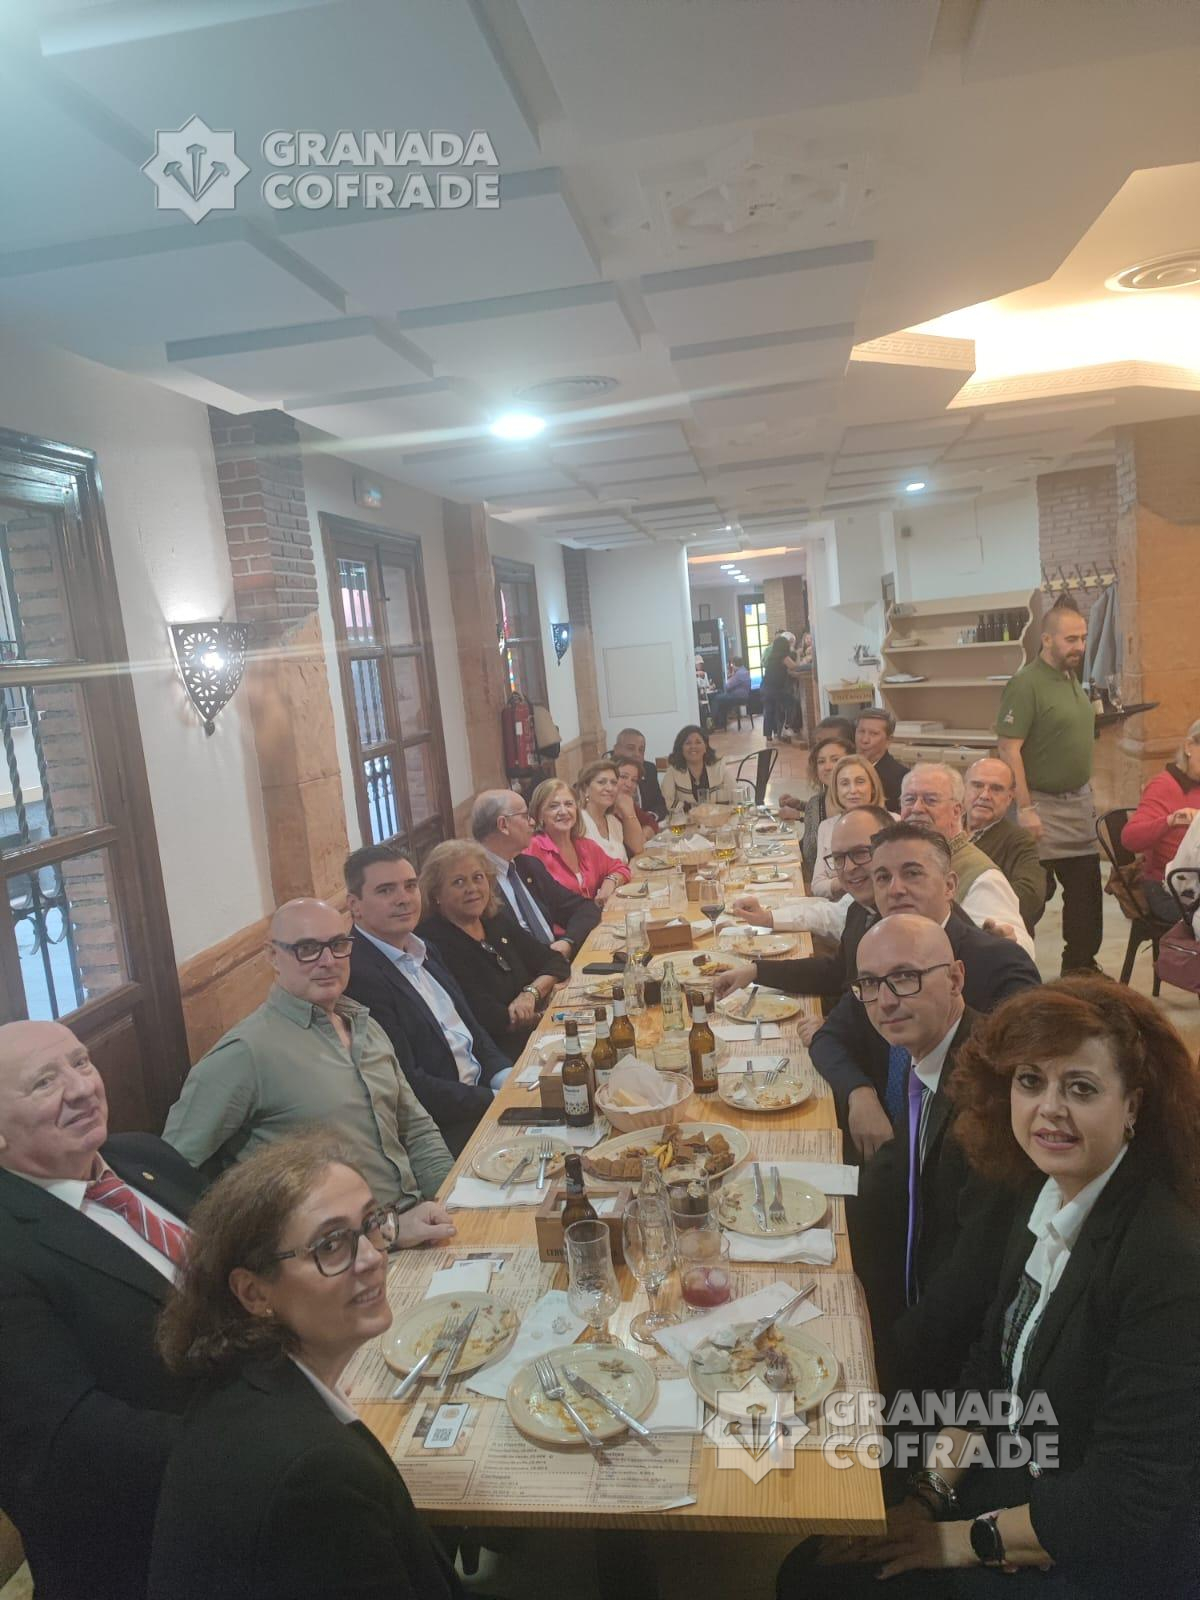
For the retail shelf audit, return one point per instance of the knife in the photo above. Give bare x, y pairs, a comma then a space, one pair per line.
748, 1005
516, 1172
760, 1200
590, 1392
456, 1349
763, 1323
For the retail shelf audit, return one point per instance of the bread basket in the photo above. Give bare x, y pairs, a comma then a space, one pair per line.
626, 1120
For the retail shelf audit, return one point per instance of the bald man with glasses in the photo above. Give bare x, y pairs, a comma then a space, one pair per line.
310, 1055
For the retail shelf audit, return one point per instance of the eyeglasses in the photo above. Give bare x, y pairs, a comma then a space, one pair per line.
505, 966
907, 801
902, 984
310, 950
336, 1252
859, 855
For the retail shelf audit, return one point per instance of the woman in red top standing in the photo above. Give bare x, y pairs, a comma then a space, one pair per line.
1166, 810
570, 857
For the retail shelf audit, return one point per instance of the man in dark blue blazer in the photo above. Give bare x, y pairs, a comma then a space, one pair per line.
451, 1061
91, 1229
912, 872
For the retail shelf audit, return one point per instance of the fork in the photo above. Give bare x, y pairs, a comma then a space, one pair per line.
776, 1211
545, 1156
776, 1072
547, 1376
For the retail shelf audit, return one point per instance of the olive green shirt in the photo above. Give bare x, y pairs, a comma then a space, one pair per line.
284, 1068
1051, 713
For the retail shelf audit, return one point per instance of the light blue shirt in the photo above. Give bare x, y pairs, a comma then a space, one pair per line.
410, 962
503, 868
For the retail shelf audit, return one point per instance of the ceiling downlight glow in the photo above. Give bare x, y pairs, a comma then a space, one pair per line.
517, 426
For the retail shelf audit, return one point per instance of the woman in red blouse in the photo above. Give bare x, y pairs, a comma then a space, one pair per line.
1169, 804
560, 844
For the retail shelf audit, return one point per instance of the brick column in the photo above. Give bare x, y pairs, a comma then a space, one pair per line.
784, 599
1158, 577
1077, 523
261, 473
473, 598
594, 739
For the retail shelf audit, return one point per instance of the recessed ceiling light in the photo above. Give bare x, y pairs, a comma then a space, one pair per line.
742, 578
729, 566
911, 488
517, 425
728, 528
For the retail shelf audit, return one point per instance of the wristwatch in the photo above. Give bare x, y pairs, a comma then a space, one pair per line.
529, 988
932, 1490
987, 1543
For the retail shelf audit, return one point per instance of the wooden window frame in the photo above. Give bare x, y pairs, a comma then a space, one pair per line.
356, 541
507, 571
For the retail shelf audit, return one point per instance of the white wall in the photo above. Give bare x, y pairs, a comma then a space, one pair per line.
839, 626
640, 598
988, 545
546, 559
329, 485
171, 561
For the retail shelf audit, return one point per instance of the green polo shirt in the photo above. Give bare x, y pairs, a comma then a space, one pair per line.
284, 1068
1049, 711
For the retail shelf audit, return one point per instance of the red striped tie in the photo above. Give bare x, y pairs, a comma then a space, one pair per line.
168, 1238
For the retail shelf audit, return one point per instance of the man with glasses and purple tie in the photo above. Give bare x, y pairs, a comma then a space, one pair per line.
309, 1056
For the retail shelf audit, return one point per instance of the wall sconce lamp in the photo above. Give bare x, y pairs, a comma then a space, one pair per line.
561, 632
212, 658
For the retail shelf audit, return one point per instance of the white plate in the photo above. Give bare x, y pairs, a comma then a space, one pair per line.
768, 1005
493, 1331
619, 1373
497, 1163
634, 891
804, 1204
814, 1365
792, 1088
646, 1138
752, 946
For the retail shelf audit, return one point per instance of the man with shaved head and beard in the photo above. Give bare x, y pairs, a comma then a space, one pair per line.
311, 1056
91, 1233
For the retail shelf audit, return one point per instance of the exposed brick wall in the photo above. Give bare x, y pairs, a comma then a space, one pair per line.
593, 738
1077, 522
784, 600
266, 518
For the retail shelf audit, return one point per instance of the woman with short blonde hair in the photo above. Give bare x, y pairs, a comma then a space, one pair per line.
571, 856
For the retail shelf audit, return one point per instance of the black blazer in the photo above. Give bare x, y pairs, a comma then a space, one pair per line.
825, 975
1117, 1355
87, 1410
269, 1496
924, 1347
479, 974
849, 1053
561, 907
420, 1045
892, 774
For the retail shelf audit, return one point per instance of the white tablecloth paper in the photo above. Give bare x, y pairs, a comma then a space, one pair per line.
677, 1408
739, 1065
463, 1277
535, 1336
743, 1032
474, 1194
828, 1176
679, 1341
814, 1245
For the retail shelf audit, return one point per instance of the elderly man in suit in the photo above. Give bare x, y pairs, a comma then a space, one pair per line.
452, 1062
311, 1054
91, 1233
501, 823
912, 872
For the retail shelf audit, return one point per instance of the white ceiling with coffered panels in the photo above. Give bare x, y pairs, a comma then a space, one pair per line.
755, 260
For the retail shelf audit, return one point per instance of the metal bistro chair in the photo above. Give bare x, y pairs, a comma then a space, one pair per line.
766, 760
1123, 885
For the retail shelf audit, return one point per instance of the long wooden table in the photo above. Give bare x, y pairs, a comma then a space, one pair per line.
811, 1497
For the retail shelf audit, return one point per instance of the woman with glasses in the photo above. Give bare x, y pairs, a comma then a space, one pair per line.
274, 1490
508, 974
1082, 1101
853, 783
567, 853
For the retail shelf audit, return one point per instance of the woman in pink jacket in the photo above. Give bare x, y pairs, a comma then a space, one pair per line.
1169, 804
561, 845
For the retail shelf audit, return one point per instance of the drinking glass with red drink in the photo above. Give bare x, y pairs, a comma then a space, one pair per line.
705, 1278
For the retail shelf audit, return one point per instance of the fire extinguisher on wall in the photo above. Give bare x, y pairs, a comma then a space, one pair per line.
520, 747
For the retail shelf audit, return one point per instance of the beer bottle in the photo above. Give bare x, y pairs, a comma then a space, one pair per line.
578, 1111
604, 1057
702, 1048
672, 999
576, 1206
621, 1035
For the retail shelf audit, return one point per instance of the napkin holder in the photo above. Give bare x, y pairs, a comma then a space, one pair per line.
665, 934
550, 1089
547, 1220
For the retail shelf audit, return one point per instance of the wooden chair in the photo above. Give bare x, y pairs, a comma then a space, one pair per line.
765, 764
1125, 886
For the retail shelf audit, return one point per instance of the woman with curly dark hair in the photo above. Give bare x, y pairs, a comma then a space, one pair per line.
695, 773
275, 1490
1083, 1098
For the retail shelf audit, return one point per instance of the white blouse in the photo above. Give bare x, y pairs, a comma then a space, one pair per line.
615, 842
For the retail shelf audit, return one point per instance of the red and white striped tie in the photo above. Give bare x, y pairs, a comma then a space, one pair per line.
168, 1238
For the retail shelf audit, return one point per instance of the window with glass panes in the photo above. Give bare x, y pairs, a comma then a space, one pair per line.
519, 630
382, 627
756, 636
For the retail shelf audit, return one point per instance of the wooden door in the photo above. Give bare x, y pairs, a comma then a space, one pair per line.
87, 939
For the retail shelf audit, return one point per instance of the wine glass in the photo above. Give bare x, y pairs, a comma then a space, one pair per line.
1115, 698
650, 1254
592, 1291
725, 844
712, 897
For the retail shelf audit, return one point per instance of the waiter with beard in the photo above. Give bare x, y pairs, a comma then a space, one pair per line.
1046, 732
